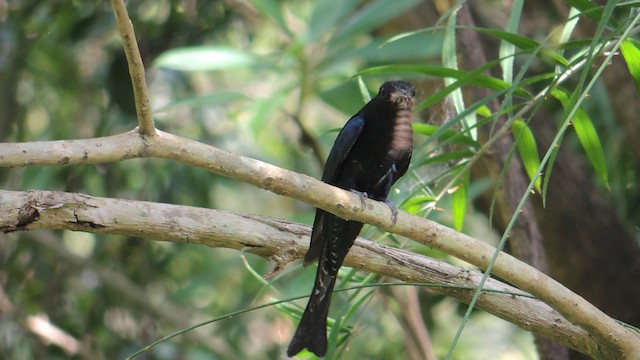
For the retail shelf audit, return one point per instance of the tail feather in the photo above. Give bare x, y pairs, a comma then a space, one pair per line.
312, 330
337, 237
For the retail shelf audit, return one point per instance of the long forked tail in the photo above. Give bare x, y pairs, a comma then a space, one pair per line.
312, 330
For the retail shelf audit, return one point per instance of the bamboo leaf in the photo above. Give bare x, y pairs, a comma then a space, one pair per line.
464, 77
447, 135
630, 49
373, 14
526, 145
587, 135
416, 204
589, 9
272, 9
459, 203
447, 156
204, 58
326, 14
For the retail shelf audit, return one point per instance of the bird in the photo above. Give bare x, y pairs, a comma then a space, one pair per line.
371, 152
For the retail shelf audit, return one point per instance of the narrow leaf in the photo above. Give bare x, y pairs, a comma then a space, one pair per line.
507, 49
326, 14
447, 135
587, 135
459, 204
372, 15
464, 77
589, 9
631, 53
204, 58
447, 156
272, 9
526, 145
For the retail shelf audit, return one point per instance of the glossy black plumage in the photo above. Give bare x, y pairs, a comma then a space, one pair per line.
371, 152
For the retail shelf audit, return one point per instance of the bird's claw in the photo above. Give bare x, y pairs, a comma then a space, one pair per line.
394, 210
362, 195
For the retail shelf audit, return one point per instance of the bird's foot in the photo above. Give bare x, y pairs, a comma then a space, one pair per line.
362, 195
394, 210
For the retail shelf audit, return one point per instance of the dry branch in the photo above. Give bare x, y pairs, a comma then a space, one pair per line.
136, 68
615, 341
277, 240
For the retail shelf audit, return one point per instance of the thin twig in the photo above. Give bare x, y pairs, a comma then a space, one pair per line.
136, 68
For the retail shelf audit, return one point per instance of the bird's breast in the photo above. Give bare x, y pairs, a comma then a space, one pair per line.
402, 135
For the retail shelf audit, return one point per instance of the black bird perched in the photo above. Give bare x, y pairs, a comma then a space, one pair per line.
371, 152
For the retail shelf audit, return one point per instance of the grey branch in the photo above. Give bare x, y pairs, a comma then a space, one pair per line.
279, 241
136, 68
614, 340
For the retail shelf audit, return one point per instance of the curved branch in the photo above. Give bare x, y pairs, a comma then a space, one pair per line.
614, 340
277, 240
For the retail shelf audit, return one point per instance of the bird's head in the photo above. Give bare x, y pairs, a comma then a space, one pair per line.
399, 93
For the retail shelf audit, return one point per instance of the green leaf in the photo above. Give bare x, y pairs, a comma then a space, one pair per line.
459, 203
417, 203
273, 10
447, 156
464, 77
549, 169
507, 49
447, 135
631, 53
326, 14
366, 95
450, 60
204, 58
372, 15
526, 44
587, 135
526, 145
591, 10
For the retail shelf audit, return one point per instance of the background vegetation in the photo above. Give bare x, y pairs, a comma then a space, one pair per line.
272, 80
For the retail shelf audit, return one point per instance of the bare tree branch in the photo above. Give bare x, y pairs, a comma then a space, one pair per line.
280, 241
136, 68
615, 340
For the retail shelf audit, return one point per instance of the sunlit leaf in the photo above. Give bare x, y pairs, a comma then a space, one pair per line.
459, 203
450, 60
364, 91
630, 49
415, 204
483, 111
528, 150
204, 58
587, 135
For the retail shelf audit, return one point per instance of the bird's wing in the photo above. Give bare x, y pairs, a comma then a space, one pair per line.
341, 148
403, 165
